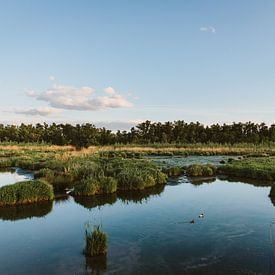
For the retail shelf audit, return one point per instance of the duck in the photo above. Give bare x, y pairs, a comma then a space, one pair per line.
193, 221
68, 191
201, 216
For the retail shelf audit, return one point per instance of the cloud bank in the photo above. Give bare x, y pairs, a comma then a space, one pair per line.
40, 111
81, 99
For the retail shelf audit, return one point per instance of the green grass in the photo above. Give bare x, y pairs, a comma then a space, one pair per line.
173, 171
201, 170
26, 192
251, 167
96, 241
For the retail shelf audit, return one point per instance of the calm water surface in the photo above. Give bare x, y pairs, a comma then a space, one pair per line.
14, 175
148, 233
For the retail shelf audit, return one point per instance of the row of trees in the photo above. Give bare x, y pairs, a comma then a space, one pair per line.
144, 133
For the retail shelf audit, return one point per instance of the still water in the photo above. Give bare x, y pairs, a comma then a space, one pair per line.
148, 232
14, 175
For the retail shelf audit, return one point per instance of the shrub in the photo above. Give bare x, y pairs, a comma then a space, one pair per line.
96, 242
26, 192
86, 187
173, 171
201, 170
91, 186
108, 185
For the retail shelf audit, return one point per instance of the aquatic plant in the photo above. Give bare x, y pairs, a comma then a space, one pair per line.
96, 241
26, 192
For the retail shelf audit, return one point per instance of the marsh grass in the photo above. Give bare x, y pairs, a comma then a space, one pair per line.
201, 170
251, 167
26, 192
96, 241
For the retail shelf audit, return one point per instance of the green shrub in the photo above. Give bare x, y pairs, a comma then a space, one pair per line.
96, 242
108, 185
86, 187
201, 170
173, 171
26, 192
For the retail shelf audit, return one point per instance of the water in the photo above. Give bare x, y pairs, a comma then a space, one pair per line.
14, 175
185, 161
148, 232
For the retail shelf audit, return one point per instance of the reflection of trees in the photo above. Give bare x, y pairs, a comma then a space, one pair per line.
254, 182
96, 265
19, 212
202, 180
60, 198
94, 201
141, 195
136, 196
272, 195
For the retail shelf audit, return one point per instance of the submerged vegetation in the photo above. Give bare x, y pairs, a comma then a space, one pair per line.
96, 241
26, 192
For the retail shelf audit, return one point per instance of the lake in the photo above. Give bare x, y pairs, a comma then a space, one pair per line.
148, 232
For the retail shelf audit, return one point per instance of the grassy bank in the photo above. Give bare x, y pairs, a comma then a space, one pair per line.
262, 168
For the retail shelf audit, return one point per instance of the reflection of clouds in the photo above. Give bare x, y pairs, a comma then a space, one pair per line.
11, 177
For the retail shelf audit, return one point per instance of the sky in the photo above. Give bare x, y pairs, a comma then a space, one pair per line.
115, 63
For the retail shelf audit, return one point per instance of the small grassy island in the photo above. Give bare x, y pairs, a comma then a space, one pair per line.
26, 192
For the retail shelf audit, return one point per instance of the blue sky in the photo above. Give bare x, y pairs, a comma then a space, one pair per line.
119, 62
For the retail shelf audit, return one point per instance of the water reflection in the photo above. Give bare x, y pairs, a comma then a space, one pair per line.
95, 201
13, 175
96, 265
141, 196
29, 211
202, 180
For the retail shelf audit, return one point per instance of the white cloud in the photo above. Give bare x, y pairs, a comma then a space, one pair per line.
30, 93
208, 29
51, 78
40, 111
109, 91
83, 98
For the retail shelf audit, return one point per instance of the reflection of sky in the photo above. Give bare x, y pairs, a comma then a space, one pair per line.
152, 236
13, 177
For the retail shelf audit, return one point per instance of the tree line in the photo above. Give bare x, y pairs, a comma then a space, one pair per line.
177, 132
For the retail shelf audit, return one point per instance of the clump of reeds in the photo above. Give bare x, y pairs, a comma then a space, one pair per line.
96, 241
26, 192
201, 170
173, 171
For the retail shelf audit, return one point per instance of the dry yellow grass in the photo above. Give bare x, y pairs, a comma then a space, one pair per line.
66, 152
